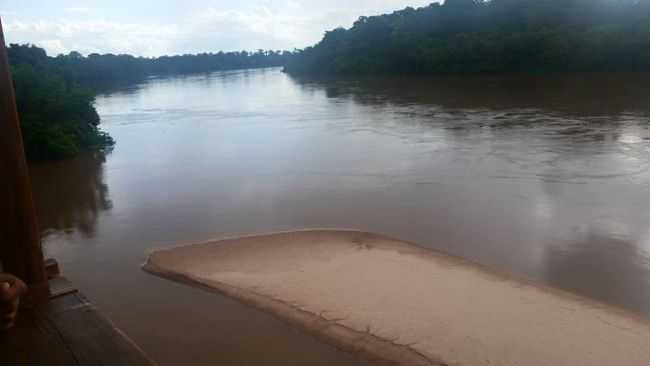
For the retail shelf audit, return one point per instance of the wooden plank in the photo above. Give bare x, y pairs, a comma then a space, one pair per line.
68, 331
60, 286
34, 342
52, 268
91, 337
20, 251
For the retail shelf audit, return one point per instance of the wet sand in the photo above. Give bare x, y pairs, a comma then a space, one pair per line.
395, 303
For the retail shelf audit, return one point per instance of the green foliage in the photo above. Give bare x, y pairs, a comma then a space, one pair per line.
101, 71
58, 119
55, 95
468, 36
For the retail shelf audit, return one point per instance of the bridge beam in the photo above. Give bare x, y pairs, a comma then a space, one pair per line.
20, 243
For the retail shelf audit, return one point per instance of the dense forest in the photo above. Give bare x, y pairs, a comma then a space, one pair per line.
98, 71
469, 36
55, 95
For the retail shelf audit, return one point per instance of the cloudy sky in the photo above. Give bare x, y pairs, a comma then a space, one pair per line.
156, 27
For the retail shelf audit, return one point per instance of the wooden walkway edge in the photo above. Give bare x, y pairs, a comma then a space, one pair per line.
67, 331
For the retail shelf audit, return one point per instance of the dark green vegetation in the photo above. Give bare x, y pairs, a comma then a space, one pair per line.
57, 116
468, 36
100, 71
55, 95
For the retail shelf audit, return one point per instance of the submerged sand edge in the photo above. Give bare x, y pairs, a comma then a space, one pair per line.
364, 345
378, 348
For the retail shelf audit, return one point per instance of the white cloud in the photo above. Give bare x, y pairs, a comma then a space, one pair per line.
93, 36
54, 46
78, 10
268, 24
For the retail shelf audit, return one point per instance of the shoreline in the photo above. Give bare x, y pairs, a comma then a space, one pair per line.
365, 345
178, 263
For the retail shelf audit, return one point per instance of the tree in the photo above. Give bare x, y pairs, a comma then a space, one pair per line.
55, 94
57, 120
488, 36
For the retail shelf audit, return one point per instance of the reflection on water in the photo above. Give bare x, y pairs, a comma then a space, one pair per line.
603, 266
70, 195
542, 176
570, 94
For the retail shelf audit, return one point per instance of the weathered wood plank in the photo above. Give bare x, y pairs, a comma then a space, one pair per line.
68, 331
59, 286
34, 342
52, 268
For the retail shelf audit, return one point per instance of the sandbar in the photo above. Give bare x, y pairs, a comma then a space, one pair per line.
395, 303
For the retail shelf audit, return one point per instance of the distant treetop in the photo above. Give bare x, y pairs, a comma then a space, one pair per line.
97, 70
462, 36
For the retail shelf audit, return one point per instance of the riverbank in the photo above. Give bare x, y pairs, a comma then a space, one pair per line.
398, 303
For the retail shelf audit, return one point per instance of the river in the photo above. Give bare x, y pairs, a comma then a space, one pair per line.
542, 176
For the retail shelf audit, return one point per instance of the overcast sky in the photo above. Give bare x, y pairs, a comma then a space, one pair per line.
157, 27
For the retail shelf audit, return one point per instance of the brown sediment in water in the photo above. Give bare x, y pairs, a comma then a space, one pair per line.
395, 303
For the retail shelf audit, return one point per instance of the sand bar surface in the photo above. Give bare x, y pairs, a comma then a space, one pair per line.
396, 303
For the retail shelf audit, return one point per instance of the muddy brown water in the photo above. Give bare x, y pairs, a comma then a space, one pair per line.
542, 176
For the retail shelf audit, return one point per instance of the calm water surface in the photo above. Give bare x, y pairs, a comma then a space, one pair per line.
546, 177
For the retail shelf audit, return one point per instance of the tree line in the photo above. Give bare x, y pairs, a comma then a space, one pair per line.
55, 95
473, 36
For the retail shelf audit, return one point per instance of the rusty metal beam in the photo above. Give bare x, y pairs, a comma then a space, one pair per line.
20, 244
